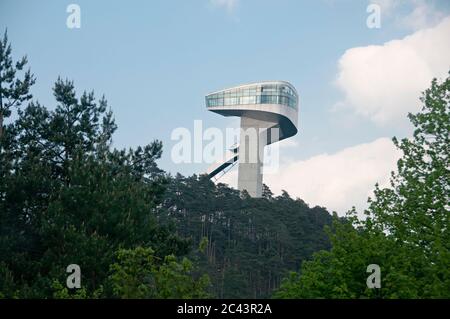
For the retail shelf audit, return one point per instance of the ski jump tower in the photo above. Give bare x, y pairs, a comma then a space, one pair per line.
268, 112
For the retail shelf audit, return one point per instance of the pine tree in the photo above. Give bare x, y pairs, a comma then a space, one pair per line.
13, 90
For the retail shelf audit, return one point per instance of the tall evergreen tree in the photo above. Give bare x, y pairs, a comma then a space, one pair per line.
13, 90
69, 198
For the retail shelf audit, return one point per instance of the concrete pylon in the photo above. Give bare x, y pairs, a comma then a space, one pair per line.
254, 137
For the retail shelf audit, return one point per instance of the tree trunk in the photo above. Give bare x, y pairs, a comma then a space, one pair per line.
1, 125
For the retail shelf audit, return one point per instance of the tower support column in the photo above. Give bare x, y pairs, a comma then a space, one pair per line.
253, 139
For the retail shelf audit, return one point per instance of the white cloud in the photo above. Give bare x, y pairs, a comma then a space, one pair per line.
384, 82
337, 181
229, 5
422, 16
419, 13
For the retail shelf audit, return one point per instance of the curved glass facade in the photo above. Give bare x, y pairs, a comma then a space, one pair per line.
258, 94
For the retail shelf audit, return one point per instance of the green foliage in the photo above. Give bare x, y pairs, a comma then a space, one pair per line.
67, 197
140, 274
406, 231
7, 287
59, 212
203, 244
13, 90
61, 292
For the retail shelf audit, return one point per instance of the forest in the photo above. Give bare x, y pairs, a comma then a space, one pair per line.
249, 244
68, 197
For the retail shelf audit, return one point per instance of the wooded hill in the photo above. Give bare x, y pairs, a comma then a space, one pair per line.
250, 244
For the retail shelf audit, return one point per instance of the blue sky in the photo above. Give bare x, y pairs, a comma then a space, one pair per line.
155, 61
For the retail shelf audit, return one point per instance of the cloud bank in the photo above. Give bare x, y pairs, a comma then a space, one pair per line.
384, 82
